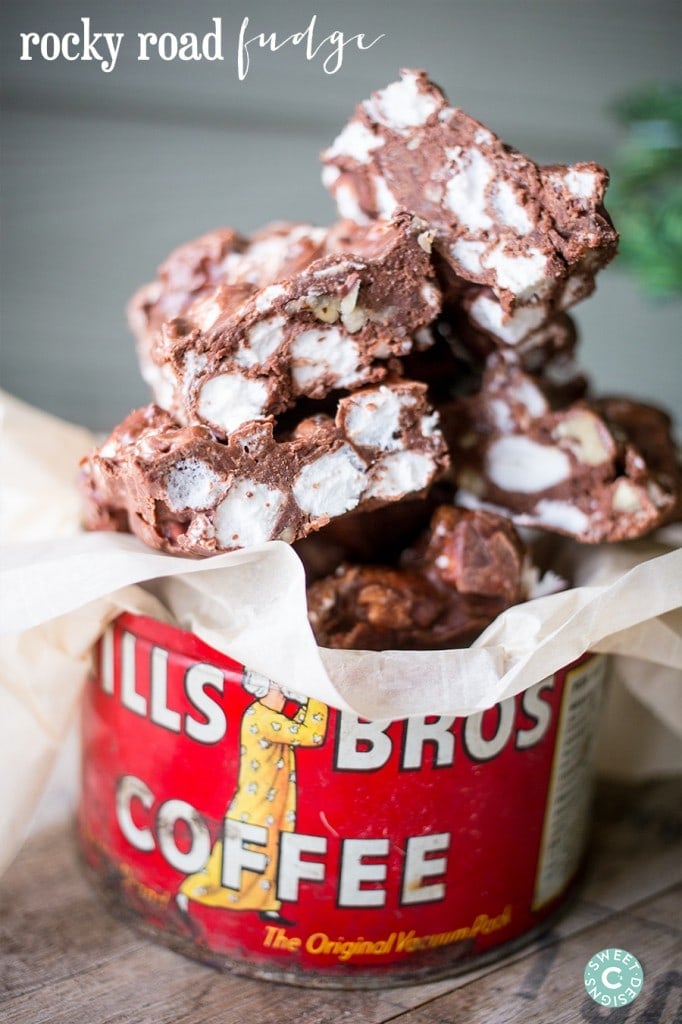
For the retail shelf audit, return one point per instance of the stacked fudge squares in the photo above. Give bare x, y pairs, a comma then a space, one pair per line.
394, 394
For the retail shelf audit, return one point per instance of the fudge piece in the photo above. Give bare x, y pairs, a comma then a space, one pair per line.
182, 490
596, 472
234, 357
469, 567
551, 358
197, 268
480, 316
531, 237
220, 257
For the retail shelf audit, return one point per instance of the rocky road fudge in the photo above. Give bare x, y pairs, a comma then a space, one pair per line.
240, 353
466, 569
518, 241
603, 471
182, 490
295, 375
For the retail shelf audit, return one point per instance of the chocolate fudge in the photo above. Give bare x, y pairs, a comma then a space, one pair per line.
182, 490
468, 567
517, 241
295, 375
604, 471
241, 353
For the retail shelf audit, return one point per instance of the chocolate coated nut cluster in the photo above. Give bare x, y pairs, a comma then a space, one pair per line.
467, 568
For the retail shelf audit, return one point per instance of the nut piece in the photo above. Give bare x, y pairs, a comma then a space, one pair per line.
474, 552
587, 436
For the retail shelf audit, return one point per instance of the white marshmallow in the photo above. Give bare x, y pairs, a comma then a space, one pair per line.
192, 483
400, 473
516, 463
531, 397
265, 337
373, 419
487, 313
322, 352
465, 190
331, 485
386, 202
229, 400
582, 184
248, 514
355, 141
522, 275
348, 205
468, 253
401, 105
267, 297
561, 516
205, 313
509, 210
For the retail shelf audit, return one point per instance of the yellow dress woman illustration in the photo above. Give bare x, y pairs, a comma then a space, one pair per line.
265, 796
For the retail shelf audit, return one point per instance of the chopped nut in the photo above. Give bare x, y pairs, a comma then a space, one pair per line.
625, 497
324, 307
349, 301
471, 481
586, 436
353, 316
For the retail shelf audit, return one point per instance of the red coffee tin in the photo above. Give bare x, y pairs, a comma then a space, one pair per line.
267, 833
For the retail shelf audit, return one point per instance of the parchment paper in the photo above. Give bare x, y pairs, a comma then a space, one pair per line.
60, 587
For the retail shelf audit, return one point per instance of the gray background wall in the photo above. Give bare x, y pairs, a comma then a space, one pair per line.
103, 173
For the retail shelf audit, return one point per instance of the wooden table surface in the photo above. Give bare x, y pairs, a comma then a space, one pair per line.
65, 960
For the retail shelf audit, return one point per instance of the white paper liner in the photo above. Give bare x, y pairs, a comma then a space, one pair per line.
57, 596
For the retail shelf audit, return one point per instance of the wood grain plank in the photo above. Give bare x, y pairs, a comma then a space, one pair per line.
63, 958
636, 847
51, 922
159, 986
548, 985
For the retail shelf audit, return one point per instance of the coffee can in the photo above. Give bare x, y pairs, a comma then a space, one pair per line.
270, 835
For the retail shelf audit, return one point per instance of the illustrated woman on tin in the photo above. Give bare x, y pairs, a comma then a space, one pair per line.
264, 804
